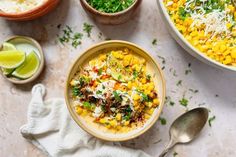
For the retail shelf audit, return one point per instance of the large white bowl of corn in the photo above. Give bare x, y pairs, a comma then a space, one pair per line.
204, 28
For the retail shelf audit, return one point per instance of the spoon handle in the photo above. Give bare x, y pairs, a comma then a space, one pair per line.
167, 148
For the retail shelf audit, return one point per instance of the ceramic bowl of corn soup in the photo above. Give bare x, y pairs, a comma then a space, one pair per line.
115, 91
204, 28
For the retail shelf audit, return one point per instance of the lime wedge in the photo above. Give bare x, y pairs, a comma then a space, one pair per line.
11, 59
8, 46
6, 71
28, 68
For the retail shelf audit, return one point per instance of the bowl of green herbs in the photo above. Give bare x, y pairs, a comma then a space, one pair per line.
110, 11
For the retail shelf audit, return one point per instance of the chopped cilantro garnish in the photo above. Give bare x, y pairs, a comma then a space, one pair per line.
75, 91
188, 71
107, 38
172, 103
100, 71
154, 42
174, 73
87, 105
184, 102
98, 92
70, 36
111, 6
179, 83
103, 107
135, 74
117, 96
194, 91
210, 120
100, 35
189, 65
163, 59
128, 112
182, 13
144, 97
169, 101
162, 120
119, 77
148, 77
88, 28
75, 43
175, 154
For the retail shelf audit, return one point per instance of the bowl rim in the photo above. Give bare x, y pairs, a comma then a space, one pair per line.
192, 48
136, 2
40, 68
25, 13
142, 131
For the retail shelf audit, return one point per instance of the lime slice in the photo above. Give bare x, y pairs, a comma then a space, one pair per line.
8, 46
120, 77
28, 68
11, 59
118, 71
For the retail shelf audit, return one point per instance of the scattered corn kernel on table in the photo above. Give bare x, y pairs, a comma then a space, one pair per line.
188, 78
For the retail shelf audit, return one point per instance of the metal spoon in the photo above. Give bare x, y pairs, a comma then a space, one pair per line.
185, 128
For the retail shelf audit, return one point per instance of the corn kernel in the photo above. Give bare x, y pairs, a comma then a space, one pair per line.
79, 110
151, 86
150, 111
118, 117
102, 120
147, 116
156, 101
84, 113
136, 97
102, 57
113, 123
129, 85
126, 123
227, 60
233, 53
143, 80
148, 104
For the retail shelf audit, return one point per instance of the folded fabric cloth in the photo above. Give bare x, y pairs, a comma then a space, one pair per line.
52, 130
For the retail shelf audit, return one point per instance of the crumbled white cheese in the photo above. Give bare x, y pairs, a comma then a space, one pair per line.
77, 103
93, 75
97, 112
18, 6
109, 85
169, 3
215, 22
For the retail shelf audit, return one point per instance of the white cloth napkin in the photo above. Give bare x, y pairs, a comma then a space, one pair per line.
52, 130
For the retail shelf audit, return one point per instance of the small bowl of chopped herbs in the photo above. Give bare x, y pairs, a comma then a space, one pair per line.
110, 11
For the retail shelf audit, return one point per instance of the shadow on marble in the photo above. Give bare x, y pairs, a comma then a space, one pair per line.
126, 30
149, 139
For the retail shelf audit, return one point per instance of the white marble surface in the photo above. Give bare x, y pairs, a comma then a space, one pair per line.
216, 141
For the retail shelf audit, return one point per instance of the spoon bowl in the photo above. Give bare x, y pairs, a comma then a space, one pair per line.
185, 128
